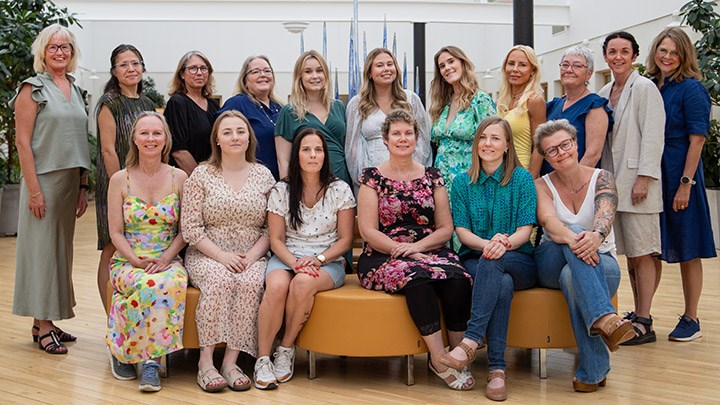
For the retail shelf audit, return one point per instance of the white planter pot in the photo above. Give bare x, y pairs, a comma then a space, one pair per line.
10, 209
713, 196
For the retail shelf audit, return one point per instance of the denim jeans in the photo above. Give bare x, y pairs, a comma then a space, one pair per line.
495, 281
587, 290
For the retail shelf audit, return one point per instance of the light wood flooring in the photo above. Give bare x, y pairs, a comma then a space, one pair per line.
663, 372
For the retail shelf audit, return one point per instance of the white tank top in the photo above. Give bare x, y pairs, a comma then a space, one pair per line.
585, 215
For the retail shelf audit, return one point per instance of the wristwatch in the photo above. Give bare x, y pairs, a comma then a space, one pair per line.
687, 180
321, 258
601, 233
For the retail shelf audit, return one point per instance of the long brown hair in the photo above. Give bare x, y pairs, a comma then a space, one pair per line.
367, 91
510, 159
686, 53
441, 92
133, 156
216, 156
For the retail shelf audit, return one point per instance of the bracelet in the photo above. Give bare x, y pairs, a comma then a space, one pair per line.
84, 187
602, 234
36, 194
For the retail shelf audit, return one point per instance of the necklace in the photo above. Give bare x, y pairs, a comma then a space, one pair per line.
274, 110
579, 188
311, 197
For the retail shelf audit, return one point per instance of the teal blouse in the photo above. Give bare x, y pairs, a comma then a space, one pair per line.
333, 129
486, 207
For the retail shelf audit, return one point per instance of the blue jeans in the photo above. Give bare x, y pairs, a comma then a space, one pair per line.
495, 281
587, 290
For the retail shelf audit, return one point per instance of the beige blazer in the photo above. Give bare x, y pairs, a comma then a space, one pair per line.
634, 147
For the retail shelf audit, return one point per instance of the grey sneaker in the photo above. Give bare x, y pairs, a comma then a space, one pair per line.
150, 376
121, 371
264, 376
284, 363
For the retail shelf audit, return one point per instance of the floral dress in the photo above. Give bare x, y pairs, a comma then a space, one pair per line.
455, 139
406, 212
147, 311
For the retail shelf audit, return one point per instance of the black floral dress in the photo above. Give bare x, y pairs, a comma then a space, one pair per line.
406, 211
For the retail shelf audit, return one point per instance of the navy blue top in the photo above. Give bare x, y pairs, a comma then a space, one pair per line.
576, 114
262, 120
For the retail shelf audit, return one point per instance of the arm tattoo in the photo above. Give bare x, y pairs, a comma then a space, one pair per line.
606, 201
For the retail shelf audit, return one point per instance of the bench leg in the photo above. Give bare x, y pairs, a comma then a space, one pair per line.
410, 361
542, 362
312, 371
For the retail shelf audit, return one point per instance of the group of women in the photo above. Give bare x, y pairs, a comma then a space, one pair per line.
260, 249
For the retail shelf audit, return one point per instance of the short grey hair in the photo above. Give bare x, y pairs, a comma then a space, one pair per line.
550, 128
583, 52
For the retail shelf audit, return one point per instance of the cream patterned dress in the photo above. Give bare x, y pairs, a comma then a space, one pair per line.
234, 221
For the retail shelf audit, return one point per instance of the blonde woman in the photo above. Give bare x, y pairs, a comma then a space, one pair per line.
381, 93
312, 106
520, 103
458, 105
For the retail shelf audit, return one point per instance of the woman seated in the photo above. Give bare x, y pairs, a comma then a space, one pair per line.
224, 221
404, 218
576, 208
310, 217
493, 207
148, 278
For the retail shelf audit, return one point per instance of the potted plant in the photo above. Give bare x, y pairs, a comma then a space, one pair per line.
701, 16
20, 22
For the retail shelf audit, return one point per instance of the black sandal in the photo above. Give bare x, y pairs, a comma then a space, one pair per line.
55, 346
642, 338
64, 336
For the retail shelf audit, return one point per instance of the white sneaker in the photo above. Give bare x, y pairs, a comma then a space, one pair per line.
264, 376
284, 363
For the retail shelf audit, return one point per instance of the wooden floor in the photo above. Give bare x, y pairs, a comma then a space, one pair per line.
663, 372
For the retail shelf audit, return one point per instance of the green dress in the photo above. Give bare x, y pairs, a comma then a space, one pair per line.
124, 110
288, 125
455, 140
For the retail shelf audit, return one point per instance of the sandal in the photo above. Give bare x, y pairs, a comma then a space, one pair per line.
457, 364
496, 394
207, 376
461, 377
648, 336
64, 336
55, 346
236, 379
614, 331
580, 386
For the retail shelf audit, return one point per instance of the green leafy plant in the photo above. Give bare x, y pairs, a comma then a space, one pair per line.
702, 17
151, 92
20, 22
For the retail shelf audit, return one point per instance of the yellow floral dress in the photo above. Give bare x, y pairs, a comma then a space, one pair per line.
147, 311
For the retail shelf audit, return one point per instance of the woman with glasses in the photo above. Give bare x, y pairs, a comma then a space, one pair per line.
115, 114
586, 111
685, 229
190, 111
576, 208
51, 138
257, 101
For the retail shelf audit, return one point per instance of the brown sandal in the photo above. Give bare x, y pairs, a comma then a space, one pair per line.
580, 386
451, 361
614, 331
496, 394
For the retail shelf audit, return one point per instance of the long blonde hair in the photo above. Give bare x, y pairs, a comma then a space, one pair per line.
367, 92
510, 159
441, 92
298, 98
133, 156
686, 53
504, 102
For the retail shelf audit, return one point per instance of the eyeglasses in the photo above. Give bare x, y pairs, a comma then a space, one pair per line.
136, 64
664, 52
194, 69
565, 145
575, 66
257, 72
52, 48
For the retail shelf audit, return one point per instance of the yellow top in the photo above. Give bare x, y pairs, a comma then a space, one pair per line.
519, 120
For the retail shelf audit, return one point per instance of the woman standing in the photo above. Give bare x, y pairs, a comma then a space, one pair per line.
310, 216
116, 111
458, 106
493, 207
633, 153
190, 111
224, 221
149, 281
521, 104
51, 129
685, 219
586, 111
311, 106
381, 93
404, 218
257, 102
